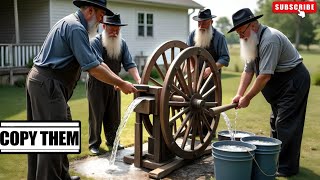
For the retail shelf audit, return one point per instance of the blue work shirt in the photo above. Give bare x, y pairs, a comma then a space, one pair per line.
68, 40
126, 58
218, 45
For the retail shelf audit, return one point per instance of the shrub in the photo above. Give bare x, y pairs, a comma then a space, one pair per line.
316, 79
21, 82
154, 73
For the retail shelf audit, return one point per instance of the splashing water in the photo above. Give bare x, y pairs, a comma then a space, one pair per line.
235, 121
231, 132
123, 123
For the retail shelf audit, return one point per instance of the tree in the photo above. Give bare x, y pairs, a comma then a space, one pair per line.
223, 25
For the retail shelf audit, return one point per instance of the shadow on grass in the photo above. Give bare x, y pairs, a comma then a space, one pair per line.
13, 100
306, 174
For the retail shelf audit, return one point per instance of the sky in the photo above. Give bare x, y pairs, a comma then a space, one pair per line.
222, 8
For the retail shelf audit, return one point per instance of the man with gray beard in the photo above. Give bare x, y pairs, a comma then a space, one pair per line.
51, 81
207, 37
104, 100
281, 77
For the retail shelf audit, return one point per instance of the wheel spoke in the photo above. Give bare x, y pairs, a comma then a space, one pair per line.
205, 120
155, 82
177, 90
189, 76
206, 83
175, 117
201, 76
172, 54
182, 82
165, 61
208, 92
179, 104
186, 134
159, 71
183, 125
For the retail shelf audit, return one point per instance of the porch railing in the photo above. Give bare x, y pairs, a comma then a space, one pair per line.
17, 55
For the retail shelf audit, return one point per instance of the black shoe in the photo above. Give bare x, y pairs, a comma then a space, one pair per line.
75, 178
119, 146
95, 151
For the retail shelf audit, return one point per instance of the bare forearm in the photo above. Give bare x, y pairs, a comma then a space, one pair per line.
135, 74
104, 74
258, 85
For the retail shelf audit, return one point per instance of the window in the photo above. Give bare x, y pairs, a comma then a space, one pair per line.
145, 24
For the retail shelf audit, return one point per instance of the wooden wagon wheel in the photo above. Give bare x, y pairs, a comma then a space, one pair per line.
184, 80
163, 54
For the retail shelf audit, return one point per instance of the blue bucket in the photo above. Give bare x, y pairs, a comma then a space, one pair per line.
232, 160
266, 156
225, 135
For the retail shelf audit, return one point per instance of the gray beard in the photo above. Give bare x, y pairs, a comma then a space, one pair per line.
112, 44
248, 49
93, 26
203, 38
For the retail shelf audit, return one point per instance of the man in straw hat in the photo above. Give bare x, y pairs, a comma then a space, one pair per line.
104, 99
209, 38
281, 77
56, 70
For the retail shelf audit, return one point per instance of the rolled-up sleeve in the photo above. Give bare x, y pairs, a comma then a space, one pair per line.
127, 60
83, 52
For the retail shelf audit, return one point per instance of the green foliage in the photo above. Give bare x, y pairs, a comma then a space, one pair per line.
30, 63
154, 73
316, 79
21, 82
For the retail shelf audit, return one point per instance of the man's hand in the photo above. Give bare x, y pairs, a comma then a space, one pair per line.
243, 102
206, 73
127, 87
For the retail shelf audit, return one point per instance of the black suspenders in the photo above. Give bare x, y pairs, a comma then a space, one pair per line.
257, 60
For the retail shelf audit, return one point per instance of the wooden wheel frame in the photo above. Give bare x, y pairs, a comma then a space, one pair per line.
183, 108
158, 56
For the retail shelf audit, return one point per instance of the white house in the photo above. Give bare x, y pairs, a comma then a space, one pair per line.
25, 23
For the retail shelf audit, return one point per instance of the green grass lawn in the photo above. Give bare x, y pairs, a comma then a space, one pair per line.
254, 119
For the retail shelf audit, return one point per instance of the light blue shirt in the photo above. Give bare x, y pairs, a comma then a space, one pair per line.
68, 40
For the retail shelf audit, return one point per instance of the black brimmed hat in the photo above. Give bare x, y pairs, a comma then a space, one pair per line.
203, 14
113, 20
102, 4
242, 17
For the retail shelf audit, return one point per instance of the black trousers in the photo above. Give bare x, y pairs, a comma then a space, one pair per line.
287, 94
46, 101
104, 109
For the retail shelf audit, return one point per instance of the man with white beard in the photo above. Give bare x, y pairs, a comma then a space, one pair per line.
50, 83
104, 100
281, 77
209, 38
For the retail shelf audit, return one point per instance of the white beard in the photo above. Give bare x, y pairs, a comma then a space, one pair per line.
248, 48
93, 26
112, 44
203, 38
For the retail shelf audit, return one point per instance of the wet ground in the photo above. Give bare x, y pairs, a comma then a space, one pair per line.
98, 167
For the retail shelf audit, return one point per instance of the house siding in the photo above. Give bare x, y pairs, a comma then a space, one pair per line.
7, 33
33, 20
60, 9
168, 24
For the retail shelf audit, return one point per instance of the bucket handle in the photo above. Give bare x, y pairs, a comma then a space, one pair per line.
260, 167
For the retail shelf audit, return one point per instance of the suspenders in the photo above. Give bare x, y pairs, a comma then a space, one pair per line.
257, 60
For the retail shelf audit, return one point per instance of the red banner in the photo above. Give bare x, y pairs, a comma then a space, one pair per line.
294, 7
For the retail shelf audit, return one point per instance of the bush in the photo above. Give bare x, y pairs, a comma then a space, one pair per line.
21, 82
316, 79
154, 73
236, 68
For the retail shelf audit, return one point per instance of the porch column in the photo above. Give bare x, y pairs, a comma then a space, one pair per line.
16, 21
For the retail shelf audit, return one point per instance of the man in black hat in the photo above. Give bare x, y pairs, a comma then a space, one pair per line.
56, 70
206, 36
104, 99
281, 77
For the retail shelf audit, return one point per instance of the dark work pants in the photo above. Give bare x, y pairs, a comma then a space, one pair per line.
288, 99
46, 101
104, 108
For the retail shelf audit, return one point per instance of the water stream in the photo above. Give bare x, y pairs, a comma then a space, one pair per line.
231, 132
123, 123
